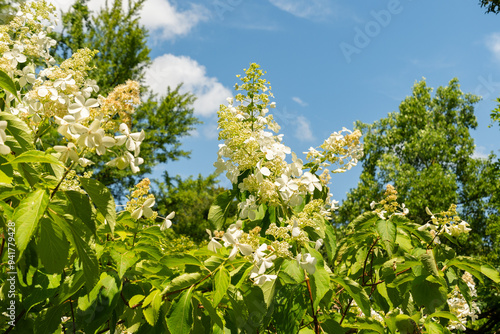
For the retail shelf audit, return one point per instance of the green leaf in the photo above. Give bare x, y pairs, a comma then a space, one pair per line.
365, 220
7, 84
53, 247
6, 172
7, 191
19, 130
221, 283
124, 259
405, 324
180, 260
82, 209
428, 292
135, 300
49, 320
356, 292
179, 318
320, 284
35, 156
291, 272
70, 286
183, 281
95, 308
442, 314
218, 212
152, 311
27, 216
367, 323
387, 231
212, 312
102, 199
330, 241
86, 255
475, 267
430, 263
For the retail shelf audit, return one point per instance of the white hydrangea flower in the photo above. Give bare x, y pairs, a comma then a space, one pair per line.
144, 210
213, 245
81, 107
127, 159
68, 151
307, 262
167, 223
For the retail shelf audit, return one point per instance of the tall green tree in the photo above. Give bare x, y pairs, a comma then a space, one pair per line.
124, 55
191, 199
427, 152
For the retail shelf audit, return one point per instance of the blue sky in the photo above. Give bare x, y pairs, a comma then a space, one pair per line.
330, 63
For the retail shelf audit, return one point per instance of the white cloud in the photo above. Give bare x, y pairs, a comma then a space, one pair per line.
170, 70
480, 153
493, 44
161, 17
303, 130
307, 9
299, 101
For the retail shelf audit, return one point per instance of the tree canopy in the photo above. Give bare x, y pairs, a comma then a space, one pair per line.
426, 151
492, 6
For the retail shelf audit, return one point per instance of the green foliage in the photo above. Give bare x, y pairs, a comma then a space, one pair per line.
492, 6
426, 151
191, 199
81, 266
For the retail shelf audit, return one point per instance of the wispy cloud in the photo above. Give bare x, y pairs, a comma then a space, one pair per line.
493, 44
307, 9
299, 101
480, 153
170, 70
303, 130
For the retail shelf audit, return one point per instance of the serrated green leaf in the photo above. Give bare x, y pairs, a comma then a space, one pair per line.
135, 300
218, 212
475, 267
49, 320
367, 323
320, 284
86, 255
221, 282
183, 281
152, 311
7, 84
35, 156
19, 131
212, 312
81, 208
387, 231
124, 259
27, 216
53, 247
179, 317
102, 199
356, 292
428, 292
180, 260
429, 263
442, 314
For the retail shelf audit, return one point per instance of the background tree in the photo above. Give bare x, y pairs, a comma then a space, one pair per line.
426, 151
492, 6
124, 55
191, 200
